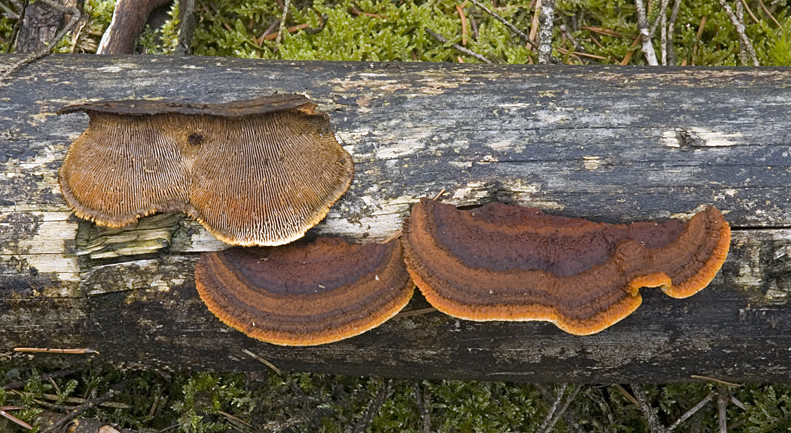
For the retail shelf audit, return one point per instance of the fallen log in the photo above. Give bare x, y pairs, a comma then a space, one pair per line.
605, 143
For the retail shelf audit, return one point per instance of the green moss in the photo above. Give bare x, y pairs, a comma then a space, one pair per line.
163, 40
597, 31
218, 402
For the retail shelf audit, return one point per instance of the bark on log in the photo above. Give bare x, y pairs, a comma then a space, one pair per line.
611, 144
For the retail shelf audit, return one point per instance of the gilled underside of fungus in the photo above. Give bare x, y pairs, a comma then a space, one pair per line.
305, 293
257, 172
503, 262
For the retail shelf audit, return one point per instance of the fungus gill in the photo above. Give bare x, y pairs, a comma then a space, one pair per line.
257, 172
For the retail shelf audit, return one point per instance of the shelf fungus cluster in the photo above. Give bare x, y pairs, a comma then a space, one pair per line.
503, 262
305, 293
262, 172
256, 172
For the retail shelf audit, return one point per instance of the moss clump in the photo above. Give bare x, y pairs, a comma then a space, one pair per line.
585, 31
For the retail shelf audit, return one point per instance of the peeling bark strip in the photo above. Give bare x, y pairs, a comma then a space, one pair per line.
608, 144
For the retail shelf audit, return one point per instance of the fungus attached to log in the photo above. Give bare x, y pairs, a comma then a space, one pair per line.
503, 262
305, 293
257, 172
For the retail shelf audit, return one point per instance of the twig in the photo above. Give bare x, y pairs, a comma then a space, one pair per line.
691, 412
422, 397
597, 397
671, 55
374, 407
722, 405
545, 23
282, 23
441, 39
262, 360
84, 351
186, 27
505, 22
663, 40
75, 18
267, 32
743, 56
642, 24
548, 423
88, 405
662, 15
645, 407
561, 411
715, 380
740, 30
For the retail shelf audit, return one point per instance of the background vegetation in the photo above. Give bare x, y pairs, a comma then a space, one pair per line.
585, 32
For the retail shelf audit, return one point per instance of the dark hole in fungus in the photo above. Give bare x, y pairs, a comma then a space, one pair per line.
503, 262
195, 139
305, 293
271, 157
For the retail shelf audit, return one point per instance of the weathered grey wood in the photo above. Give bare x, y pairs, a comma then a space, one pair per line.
612, 144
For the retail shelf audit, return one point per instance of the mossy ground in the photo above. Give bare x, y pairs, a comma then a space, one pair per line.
585, 31
301, 402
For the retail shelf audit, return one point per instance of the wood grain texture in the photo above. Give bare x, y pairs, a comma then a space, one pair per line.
609, 144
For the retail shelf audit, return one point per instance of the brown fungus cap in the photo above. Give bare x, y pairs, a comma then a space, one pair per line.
305, 294
257, 172
502, 262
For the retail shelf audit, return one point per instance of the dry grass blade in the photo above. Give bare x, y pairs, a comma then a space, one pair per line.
12, 418
715, 380
769, 13
505, 22
262, 360
443, 40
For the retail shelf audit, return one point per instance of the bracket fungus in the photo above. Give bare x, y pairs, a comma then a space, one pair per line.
505, 262
303, 293
257, 172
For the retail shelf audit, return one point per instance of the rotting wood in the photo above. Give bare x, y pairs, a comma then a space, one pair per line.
608, 144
